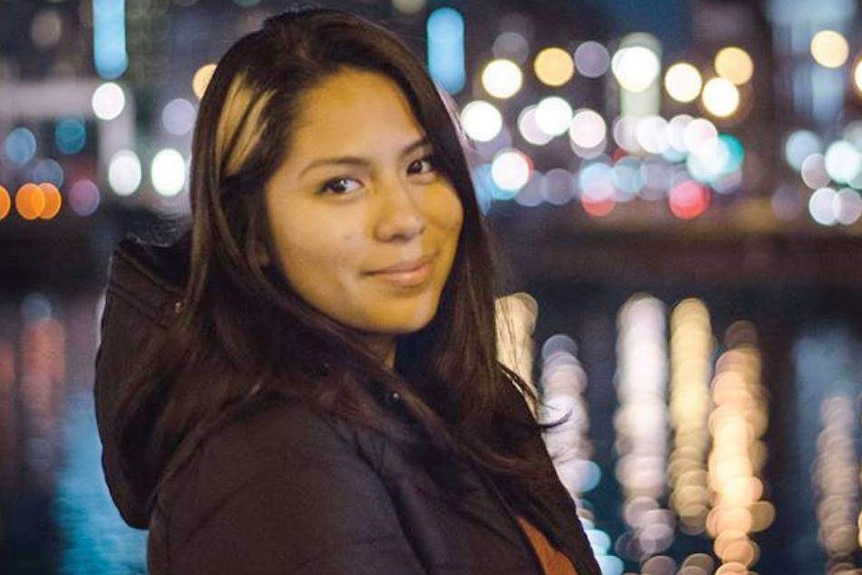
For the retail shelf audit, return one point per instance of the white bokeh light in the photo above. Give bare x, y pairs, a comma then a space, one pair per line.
124, 172
502, 78
481, 120
847, 206
651, 134
178, 116
843, 161
683, 82
529, 129
510, 170
168, 172
721, 97
108, 101
588, 129
821, 206
554, 116
635, 68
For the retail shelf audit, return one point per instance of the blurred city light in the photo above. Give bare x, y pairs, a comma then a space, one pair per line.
683, 82
720, 97
636, 68
529, 128
5, 203
830, 49
813, 171
587, 129
510, 170
48, 170
482, 121
409, 7
446, 60
20, 145
734, 64
168, 172
842, 161
109, 100
554, 116
502, 78
554, 66
124, 172
592, 59
799, 145
70, 135
30, 201
201, 79
109, 38
84, 197
511, 46
53, 201
178, 117
689, 199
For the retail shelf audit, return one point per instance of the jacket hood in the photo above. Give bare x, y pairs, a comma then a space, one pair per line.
143, 295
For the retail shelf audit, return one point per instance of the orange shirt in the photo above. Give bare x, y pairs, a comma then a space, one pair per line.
553, 562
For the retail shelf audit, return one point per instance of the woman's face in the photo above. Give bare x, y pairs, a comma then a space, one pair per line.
364, 227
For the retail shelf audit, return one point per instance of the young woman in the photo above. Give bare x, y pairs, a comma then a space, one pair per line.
307, 381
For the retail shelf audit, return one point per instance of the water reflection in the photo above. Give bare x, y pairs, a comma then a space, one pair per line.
56, 515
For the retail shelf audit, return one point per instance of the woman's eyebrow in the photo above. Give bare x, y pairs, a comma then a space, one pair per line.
357, 161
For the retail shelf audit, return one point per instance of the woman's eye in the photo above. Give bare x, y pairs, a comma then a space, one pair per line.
340, 186
422, 166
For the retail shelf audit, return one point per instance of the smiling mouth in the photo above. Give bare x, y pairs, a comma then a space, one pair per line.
406, 274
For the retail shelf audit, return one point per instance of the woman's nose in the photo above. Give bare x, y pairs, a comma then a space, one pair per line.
400, 216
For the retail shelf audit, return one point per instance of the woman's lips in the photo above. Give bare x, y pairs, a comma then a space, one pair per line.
410, 273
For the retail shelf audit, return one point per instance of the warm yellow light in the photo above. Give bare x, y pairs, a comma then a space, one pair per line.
857, 75
202, 78
30, 201
5, 202
735, 64
683, 82
53, 201
554, 66
830, 48
720, 97
502, 78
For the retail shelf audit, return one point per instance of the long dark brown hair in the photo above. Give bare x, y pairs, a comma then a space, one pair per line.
244, 336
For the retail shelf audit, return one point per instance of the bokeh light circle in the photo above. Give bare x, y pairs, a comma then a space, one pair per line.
84, 197
830, 48
5, 202
53, 201
512, 46
683, 82
799, 145
482, 121
813, 171
821, 206
529, 128
510, 170
178, 116
30, 201
554, 66
109, 101
70, 135
20, 145
201, 79
734, 64
588, 129
689, 199
554, 116
720, 97
124, 172
168, 172
842, 161
502, 78
848, 206
592, 59
635, 68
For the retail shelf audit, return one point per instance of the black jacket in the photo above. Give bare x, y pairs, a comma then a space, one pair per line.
284, 489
